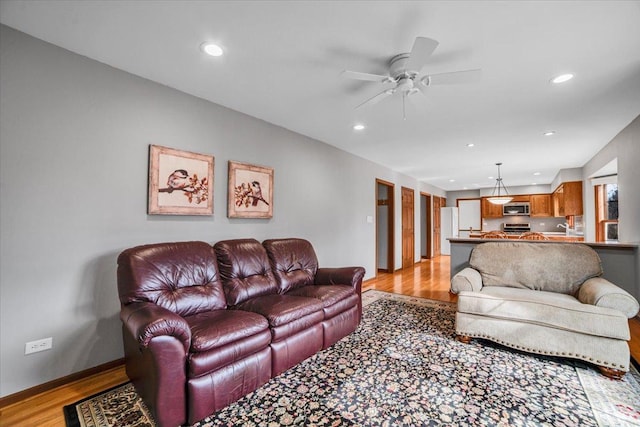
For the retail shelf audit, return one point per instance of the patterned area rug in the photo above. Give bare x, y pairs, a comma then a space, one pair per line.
403, 367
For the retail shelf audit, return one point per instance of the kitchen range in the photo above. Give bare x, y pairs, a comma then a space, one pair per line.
510, 228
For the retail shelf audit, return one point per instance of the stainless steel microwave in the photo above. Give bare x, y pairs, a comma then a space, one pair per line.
517, 208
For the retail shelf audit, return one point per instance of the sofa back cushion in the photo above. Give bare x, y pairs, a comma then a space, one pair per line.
293, 261
245, 270
181, 277
553, 267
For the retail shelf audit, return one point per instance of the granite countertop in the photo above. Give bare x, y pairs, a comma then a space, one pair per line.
546, 233
592, 244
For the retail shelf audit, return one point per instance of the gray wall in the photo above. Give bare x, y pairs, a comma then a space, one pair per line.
626, 148
74, 137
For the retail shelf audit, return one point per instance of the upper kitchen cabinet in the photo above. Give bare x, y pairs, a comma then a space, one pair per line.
489, 210
521, 198
541, 205
567, 199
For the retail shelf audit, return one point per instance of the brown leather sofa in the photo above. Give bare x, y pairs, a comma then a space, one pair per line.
203, 326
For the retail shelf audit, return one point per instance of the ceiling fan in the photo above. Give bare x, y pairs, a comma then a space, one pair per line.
405, 74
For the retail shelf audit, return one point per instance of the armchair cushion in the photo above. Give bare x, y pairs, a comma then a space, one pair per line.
468, 279
560, 267
602, 293
543, 308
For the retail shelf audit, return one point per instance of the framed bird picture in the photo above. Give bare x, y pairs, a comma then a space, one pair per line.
250, 191
180, 182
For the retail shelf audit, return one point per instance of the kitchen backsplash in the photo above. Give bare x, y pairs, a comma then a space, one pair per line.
537, 223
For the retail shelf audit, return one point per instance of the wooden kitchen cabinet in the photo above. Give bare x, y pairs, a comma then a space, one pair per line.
520, 198
489, 210
572, 198
541, 205
567, 199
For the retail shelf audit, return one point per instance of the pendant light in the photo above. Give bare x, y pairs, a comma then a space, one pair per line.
497, 198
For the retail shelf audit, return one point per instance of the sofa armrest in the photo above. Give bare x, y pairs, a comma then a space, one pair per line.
469, 279
602, 293
145, 320
341, 276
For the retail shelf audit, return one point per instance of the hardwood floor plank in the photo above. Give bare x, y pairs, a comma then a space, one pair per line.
45, 409
426, 279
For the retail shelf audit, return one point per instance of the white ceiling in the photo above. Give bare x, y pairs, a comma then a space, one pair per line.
283, 61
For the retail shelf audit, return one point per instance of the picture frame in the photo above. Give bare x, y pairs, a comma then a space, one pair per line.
180, 182
250, 192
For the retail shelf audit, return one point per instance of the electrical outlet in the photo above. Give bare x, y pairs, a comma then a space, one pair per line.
38, 345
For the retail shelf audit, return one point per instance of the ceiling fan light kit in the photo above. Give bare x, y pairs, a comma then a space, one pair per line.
404, 72
497, 198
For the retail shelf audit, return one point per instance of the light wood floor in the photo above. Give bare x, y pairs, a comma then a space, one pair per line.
428, 279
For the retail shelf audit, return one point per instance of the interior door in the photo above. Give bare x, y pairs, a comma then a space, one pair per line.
408, 220
384, 225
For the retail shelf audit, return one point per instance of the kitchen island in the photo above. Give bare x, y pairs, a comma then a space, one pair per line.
620, 261
551, 235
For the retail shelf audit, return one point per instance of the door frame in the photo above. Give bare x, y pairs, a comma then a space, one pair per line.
390, 224
412, 222
427, 224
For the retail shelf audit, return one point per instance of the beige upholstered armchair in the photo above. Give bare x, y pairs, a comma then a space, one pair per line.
545, 298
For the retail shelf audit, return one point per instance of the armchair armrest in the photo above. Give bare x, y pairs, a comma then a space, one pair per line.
341, 276
145, 320
469, 279
602, 293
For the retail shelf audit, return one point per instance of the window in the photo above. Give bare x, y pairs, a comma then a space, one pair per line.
606, 212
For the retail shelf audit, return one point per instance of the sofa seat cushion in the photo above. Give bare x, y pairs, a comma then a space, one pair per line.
217, 328
281, 309
552, 267
222, 337
548, 309
335, 298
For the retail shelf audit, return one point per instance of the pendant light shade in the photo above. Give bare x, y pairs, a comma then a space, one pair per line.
500, 195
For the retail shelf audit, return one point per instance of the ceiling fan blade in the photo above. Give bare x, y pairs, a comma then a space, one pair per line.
453, 77
365, 76
422, 49
377, 98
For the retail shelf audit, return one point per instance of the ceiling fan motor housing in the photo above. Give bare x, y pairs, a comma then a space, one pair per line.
398, 67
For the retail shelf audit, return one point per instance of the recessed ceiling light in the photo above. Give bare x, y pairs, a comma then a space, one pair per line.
562, 78
211, 49
358, 126
489, 177
536, 173
452, 180
533, 183
471, 145
549, 133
